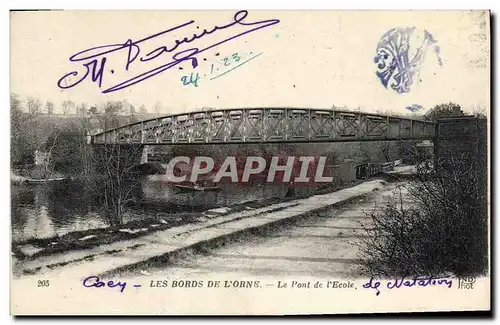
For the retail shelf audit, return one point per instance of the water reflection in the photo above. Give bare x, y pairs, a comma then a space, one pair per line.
56, 208
60, 207
156, 189
51, 209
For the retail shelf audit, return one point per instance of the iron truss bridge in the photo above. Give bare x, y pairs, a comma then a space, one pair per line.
266, 125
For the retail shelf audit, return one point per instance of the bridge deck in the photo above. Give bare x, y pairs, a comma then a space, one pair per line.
267, 125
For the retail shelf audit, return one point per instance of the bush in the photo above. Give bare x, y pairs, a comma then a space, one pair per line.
439, 224
433, 237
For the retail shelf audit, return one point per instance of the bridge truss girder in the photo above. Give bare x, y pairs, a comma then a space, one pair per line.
267, 125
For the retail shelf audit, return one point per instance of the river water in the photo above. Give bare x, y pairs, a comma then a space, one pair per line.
56, 208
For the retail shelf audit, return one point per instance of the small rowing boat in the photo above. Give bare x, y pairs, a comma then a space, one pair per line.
194, 187
43, 181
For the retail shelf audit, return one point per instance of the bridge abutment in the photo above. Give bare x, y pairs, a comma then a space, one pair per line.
461, 165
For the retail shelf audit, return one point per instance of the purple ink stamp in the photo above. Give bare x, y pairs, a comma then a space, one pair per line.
400, 56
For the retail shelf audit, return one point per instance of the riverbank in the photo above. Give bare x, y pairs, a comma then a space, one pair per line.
34, 176
161, 245
20, 179
34, 248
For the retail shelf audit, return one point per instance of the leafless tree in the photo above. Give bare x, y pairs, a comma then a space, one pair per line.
47, 169
112, 169
116, 177
81, 109
157, 108
19, 123
67, 105
49, 106
34, 105
480, 111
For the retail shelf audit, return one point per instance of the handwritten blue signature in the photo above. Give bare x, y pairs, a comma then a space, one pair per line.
95, 282
413, 282
94, 59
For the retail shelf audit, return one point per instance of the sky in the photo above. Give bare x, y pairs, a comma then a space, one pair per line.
314, 59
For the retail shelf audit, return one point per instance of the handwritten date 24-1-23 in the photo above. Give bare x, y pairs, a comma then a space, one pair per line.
219, 68
95, 60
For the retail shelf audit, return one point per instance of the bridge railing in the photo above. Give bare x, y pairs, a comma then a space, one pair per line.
256, 125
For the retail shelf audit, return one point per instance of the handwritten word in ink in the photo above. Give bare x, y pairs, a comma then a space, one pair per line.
403, 282
220, 68
95, 62
94, 282
231, 63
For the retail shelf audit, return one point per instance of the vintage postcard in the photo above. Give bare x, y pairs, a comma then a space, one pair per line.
247, 162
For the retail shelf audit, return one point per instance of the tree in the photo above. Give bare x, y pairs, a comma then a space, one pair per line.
444, 110
67, 105
34, 105
108, 170
46, 170
128, 108
15, 105
388, 150
407, 151
480, 112
65, 145
110, 119
157, 107
142, 109
49, 106
115, 177
28, 133
113, 107
81, 109
19, 123
93, 110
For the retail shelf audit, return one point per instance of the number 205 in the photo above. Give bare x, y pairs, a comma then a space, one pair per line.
43, 283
